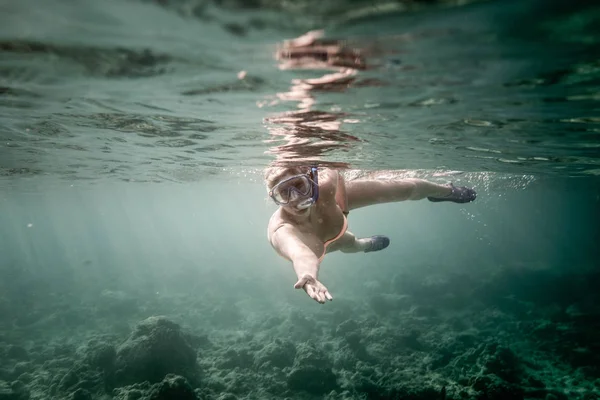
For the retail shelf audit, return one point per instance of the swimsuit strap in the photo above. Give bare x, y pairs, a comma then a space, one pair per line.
339, 235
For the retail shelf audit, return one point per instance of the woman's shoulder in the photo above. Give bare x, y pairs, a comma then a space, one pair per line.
328, 175
278, 220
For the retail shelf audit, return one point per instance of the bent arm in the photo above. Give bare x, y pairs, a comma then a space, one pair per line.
363, 193
288, 243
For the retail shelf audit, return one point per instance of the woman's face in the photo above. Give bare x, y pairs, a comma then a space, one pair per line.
293, 189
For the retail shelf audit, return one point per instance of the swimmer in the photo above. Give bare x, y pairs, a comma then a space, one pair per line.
312, 217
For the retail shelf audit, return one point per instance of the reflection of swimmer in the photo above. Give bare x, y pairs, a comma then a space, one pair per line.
312, 217
309, 51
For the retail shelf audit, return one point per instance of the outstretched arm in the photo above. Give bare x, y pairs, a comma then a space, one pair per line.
287, 241
363, 193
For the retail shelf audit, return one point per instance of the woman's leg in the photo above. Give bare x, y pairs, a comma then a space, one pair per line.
351, 244
362, 193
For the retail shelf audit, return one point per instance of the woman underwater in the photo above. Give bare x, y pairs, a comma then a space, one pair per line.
312, 216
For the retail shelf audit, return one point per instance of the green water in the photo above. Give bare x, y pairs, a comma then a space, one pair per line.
133, 225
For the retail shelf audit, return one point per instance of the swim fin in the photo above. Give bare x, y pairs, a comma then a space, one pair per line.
378, 242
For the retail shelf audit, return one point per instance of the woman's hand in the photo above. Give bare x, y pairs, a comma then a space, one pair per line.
458, 194
315, 289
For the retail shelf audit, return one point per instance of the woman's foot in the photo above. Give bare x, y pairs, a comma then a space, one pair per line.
377, 242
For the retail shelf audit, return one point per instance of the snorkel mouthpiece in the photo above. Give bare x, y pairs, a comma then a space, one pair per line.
305, 204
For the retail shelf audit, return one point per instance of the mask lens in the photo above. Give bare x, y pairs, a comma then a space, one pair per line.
302, 186
278, 197
292, 188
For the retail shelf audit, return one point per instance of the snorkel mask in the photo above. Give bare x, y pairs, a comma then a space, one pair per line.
303, 189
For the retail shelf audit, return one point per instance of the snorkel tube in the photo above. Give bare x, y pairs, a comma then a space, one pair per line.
315, 178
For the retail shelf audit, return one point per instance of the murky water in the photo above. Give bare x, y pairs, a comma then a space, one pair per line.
133, 139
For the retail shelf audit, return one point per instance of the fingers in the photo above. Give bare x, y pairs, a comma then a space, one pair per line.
310, 290
314, 289
324, 296
313, 293
319, 295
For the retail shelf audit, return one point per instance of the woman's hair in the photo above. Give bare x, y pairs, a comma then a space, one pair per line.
276, 174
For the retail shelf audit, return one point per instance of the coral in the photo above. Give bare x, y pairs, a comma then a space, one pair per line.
81, 394
233, 358
491, 387
505, 364
172, 387
279, 353
14, 352
156, 348
311, 371
14, 391
98, 354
